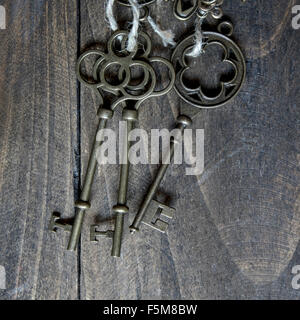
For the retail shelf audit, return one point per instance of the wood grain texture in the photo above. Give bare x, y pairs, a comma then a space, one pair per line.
38, 136
236, 231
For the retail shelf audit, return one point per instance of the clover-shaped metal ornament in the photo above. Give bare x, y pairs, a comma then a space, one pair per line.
232, 55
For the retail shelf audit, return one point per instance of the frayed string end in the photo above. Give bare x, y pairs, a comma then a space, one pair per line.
110, 15
133, 34
167, 36
199, 41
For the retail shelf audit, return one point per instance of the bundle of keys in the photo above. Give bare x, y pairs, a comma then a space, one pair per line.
152, 212
124, 93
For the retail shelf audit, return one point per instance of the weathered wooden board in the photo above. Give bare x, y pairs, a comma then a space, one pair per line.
236, 231
38, 138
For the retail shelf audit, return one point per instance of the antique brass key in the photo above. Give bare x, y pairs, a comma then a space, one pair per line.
130, 115
145, 215
197, 98
130, 97
83, 204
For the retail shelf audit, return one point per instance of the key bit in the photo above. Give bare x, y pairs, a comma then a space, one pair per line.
116, 235
94, 234
57, 223
155, 214
83, 204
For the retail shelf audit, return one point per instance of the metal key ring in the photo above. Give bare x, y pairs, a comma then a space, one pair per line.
110, 87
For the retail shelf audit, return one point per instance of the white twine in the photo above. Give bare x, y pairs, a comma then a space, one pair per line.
167, 36
198, 39
110, 15
133, 34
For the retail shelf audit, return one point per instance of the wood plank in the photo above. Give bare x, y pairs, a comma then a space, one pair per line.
38, 138
236, 232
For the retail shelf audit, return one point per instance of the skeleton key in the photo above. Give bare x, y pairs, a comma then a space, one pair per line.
126, 92
196, 97
83, 204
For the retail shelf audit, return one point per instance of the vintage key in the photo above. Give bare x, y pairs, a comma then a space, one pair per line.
83, 204
130, 97
183, 122
195, 97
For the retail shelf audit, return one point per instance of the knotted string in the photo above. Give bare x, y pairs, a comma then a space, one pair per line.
166, 36
198, 40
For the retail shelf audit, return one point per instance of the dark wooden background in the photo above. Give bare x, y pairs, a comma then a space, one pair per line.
237, 227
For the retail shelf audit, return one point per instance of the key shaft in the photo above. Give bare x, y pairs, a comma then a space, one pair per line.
182, 123
83, 204
121, 208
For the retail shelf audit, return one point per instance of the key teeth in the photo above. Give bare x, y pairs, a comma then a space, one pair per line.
52, 225
94, 233
166, 212
57, 223
93, 236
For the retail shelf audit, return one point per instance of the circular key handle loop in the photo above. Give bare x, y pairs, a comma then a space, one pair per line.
141, 85
91, 84
124, 88
108, 86
111, 45
152, 77
232, 55
169, 87
145, 14
147, 46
